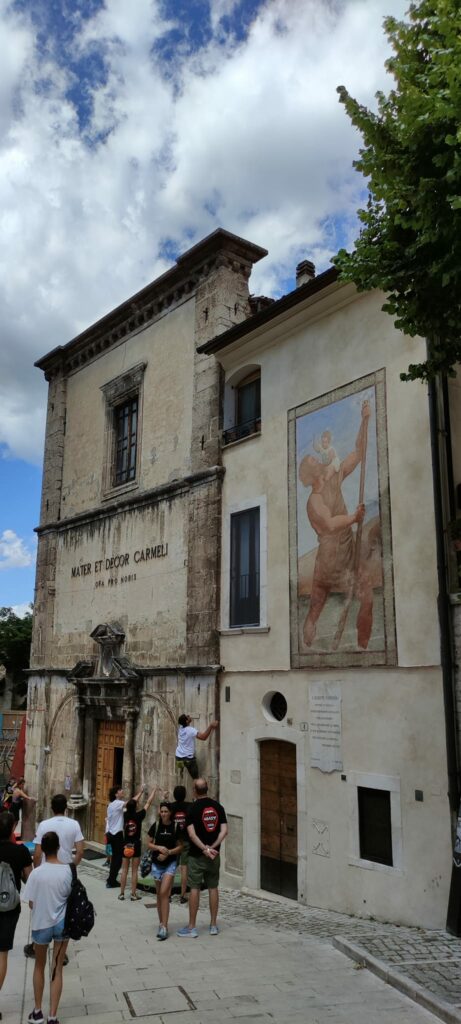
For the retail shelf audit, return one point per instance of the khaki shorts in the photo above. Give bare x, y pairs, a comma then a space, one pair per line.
203, 871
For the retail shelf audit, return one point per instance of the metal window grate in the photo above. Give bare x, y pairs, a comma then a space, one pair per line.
126, 441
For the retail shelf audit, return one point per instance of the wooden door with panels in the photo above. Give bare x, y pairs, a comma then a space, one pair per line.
109, 769
279, 818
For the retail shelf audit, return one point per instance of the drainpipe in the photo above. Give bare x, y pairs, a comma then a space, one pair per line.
438, 434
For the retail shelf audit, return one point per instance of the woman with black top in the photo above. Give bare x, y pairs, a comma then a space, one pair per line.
132, 823
166, 844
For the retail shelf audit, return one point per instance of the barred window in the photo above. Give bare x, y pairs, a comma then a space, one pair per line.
126, 441
244, 582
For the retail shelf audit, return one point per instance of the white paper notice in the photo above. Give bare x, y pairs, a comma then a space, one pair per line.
325, 726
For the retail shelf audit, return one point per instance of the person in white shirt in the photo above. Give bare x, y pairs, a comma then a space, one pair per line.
47, 890
114, 832
70, 839
185, 750
68, 830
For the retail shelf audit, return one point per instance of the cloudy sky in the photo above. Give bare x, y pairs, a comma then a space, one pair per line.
129, 129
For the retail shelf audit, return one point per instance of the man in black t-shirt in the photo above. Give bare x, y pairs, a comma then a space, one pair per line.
20, 860
207, 829
180, 808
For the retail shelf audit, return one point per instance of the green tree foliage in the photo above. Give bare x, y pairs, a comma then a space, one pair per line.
410, 240
15, 638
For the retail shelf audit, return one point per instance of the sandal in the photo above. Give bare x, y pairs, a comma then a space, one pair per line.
121, 897
134, 897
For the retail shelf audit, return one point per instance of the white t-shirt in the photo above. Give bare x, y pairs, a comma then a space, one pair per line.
67, 829
48, 886
114, 819
186, 741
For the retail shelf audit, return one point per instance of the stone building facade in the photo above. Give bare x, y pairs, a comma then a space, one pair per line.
333, 763
127, 586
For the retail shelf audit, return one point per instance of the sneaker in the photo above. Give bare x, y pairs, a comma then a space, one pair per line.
36, 1017
187, 933
134, 897
29, 950
53, 1020
112, 885
162, 933
121, 897
183, 899
214, 930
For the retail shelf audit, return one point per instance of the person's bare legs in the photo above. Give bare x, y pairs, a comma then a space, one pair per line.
164, 899
213, 899
319, 596
184, 872
123, 875
194, 903
3, 966
159, 908
38, 979
57, 963
134, 874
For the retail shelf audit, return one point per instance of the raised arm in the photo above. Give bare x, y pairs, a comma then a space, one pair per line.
206, 732
354, 458
150, 798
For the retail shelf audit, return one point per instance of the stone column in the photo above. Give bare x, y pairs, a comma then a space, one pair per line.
77, 775
128, 755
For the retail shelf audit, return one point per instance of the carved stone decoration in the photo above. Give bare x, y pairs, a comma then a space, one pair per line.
112, 664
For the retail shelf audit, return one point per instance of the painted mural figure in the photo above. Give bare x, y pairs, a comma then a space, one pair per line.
338, 566
327, 454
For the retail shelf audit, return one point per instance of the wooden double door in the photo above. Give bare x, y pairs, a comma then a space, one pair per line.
279, 815
109, 770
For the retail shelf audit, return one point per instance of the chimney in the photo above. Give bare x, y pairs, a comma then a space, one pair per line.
305, 271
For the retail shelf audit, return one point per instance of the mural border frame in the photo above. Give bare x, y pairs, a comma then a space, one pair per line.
338, 659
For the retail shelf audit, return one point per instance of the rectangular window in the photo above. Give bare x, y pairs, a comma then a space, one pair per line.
249, 403
244, 582
375, 831
126, 441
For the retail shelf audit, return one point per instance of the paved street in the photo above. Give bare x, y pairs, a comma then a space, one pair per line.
272, 962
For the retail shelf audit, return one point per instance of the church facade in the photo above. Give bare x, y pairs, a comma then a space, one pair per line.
127, 585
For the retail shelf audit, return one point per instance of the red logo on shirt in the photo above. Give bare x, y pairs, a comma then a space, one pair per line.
210, 819
180, 819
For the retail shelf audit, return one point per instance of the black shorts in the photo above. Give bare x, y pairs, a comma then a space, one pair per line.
8, 922
137, 846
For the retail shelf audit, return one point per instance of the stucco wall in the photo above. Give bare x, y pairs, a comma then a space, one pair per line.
392, 718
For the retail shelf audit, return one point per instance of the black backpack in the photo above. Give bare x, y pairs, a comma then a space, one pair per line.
79, 919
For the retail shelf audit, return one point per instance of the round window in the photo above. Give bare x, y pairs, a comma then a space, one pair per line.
275, 706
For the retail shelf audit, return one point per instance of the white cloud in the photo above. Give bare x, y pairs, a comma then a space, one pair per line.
247, 135
21, 610
13, 551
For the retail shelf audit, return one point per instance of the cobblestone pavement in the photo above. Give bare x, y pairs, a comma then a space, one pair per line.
267, 966
430, 961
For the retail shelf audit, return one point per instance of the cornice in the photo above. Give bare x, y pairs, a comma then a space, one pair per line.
163, 492
176, 285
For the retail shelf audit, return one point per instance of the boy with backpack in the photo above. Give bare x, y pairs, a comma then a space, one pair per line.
47, 890
15, 866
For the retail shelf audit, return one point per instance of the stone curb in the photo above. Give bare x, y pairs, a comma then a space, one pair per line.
439, 1007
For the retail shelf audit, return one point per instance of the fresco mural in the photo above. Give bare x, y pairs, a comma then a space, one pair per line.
342, 603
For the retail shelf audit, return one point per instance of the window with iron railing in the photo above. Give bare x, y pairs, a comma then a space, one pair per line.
245, 571
247, 409
126, 441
